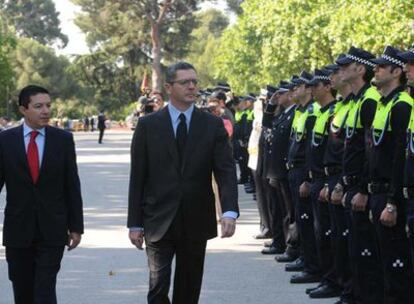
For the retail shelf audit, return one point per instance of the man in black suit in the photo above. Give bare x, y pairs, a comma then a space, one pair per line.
43, 206
174, 153
101, 126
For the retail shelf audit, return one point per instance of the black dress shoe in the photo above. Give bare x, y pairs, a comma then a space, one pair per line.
262, 236
304, 277
325, 291
345, 301
273, 250
285, 258
296, 265
268, 243
310, 289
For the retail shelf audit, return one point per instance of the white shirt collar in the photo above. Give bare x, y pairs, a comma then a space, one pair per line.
288, 109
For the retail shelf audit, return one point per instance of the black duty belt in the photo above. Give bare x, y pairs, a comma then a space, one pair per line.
331, 171
295, 165
408, 192
350, 180
378, 187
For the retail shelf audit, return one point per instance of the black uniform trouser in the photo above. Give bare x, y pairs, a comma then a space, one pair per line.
243, 159
323, 233
395, 253
410, 224
101, 134
277, 215
304, 221
367, 282
340, 239
288, 215
262, 203
33, 273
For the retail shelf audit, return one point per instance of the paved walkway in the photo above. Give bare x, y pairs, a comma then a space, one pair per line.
106, 269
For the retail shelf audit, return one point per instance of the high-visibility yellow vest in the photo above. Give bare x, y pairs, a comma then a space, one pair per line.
381, 123
353, 121
339, 120
300, 127
320, 129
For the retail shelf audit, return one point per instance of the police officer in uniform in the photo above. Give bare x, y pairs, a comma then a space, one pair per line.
323, 94
333, 170
386, 163
409, 161
297, 165
277, 173
357, 70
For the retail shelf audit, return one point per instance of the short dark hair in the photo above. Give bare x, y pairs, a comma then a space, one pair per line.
27, 92
403, 76
171, 72
369, 73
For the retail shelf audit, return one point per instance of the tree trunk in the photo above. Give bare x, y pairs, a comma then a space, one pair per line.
156, 57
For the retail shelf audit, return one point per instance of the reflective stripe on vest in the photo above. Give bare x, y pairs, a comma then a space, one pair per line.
312, 110
353, 121
341, 115
320, 128
381, 123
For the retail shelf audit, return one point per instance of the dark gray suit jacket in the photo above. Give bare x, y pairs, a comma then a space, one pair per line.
159, 185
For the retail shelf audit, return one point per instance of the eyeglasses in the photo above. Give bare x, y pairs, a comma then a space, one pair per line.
185, 82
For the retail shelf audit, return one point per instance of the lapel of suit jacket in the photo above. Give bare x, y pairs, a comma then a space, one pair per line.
46, 151
167, 135
21, 150
194, 133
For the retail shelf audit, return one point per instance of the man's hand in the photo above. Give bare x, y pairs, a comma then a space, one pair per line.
388, 218
324, 194
137, 238
73, 240
359, 202
304, 189
228, 227
337, 194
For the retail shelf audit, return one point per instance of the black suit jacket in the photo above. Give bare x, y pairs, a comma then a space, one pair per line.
52, 207
159, 185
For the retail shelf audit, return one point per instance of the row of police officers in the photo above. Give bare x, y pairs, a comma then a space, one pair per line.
336, 173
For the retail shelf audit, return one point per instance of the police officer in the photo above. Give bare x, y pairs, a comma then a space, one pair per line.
357, 70
323, 93
409, 161
298, 174
386, 163
277, 173
333, 170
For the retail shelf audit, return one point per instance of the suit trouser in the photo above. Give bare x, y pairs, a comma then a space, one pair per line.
395, 253
189, 264
33, 273
262, 202
367, 282
101, 134
288, 215
277, 215
340, 239
323, 231
245, 171
304, 221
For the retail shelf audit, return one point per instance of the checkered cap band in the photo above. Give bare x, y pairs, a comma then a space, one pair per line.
393, 60
360, 60
320, 77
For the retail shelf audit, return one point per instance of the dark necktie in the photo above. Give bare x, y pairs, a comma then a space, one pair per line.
181, 136
33, 156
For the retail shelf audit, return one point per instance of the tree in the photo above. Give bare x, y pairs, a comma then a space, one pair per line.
152, 30
35, 19
206, 44
274, 40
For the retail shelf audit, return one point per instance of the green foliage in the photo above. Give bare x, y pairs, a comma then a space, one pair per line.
205, 44
36, 19
273, 40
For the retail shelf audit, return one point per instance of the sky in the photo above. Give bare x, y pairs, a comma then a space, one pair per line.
77, 44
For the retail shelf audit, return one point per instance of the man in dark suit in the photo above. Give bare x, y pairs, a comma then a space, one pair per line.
43, 206
174, 153
101, 126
